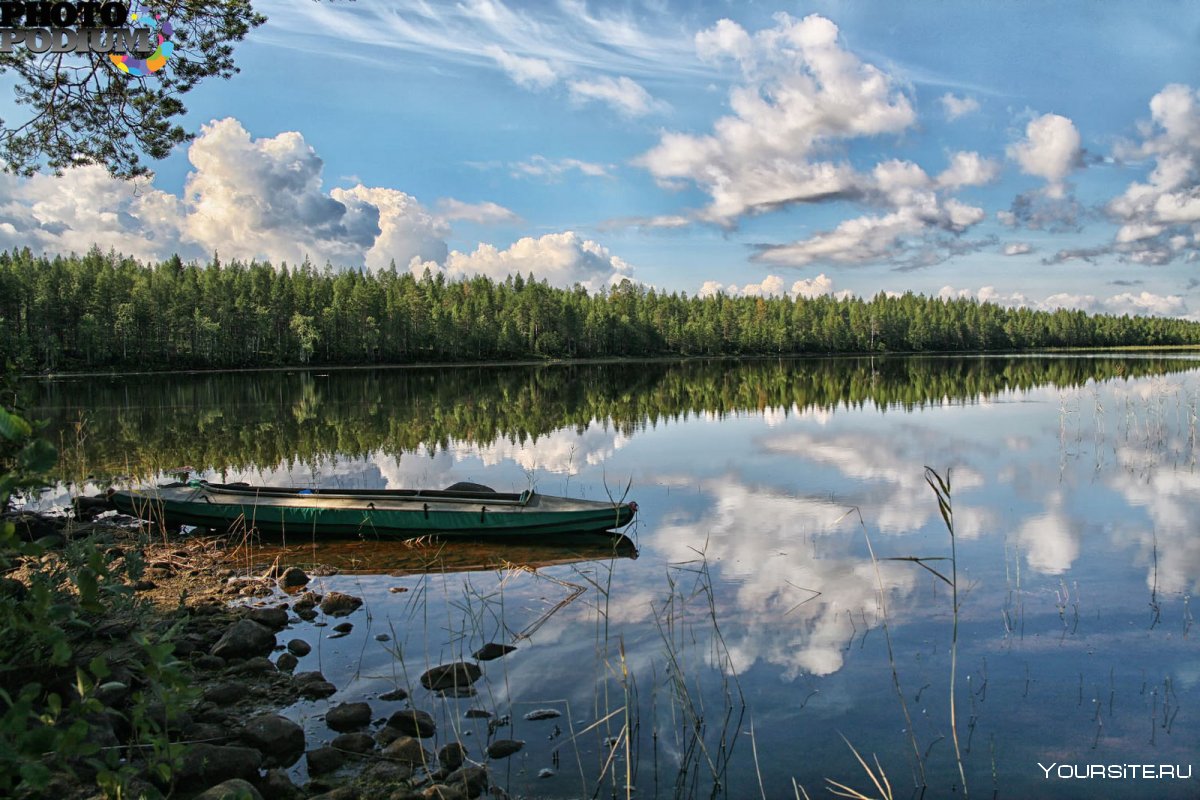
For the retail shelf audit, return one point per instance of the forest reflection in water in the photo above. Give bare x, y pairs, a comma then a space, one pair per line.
217, 421
754, 603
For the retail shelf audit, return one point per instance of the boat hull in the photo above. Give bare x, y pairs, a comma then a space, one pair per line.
371, 515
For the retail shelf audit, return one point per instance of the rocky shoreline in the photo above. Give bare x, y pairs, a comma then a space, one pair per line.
239, 639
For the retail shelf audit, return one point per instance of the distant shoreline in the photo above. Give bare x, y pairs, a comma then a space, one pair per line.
561, 362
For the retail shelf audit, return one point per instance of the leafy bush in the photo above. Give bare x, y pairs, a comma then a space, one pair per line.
51, 715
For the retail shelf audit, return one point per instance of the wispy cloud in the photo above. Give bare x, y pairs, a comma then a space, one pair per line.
486, 213
624, 95
548, 169
557, 39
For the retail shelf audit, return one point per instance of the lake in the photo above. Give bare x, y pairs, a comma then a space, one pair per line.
744, 638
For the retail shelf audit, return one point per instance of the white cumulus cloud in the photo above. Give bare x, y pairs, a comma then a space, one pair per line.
263, 198
917, 207
770, 286
968, 169
802, 91
1050, 150
1140, 304
955, 107
1160, 217
563, 259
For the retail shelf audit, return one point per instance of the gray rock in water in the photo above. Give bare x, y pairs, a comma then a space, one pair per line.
344, 627
354, 742
299, 647
492, 651
382, 637
407, 750
412, 722
324, 760
302, 678
273, 618
450, 676
503, 748
348, 716
209, 764
543, 713
286, 662
233, 789
316, 690
452, 755
279, 739
386, 736
306, 600
244, 639
546, 772
339, 604
394, 694
471, 779
478, 713
292, 578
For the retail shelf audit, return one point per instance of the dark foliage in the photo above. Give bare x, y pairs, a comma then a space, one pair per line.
104, 311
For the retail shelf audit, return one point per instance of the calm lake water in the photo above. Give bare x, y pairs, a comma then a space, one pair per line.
750, 633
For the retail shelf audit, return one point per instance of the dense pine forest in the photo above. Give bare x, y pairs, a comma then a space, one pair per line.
111, 312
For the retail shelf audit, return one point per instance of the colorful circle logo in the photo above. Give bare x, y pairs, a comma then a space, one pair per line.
129, 63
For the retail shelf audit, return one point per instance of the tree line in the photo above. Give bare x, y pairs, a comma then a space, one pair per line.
291, 418
105, 311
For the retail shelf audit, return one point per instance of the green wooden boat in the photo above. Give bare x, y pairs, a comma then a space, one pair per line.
468, 510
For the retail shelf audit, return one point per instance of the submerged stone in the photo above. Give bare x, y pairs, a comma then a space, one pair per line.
492, 651
450, 676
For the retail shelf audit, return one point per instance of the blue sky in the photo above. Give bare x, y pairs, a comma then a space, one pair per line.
1029, 153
